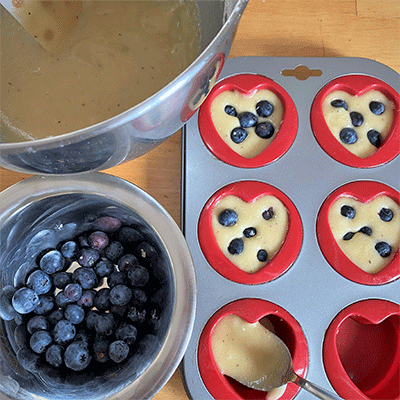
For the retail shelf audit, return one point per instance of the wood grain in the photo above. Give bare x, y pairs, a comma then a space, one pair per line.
293, 28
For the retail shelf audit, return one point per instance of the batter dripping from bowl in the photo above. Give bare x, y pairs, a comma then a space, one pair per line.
118, 54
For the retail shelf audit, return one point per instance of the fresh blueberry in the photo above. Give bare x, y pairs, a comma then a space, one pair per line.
139, 298
377, 107
247, 119
374, 137
117, 278
230, 110
120, 295
250, 232
127, 262
138, 276
348, 236
114, 251
7, 311
83, 335
348, 136
118, 351
262, 255
337, 103
70, 250
62, 300
77, 356
135, 316
236, 246
88, 257
82, 240
107, 224
384, 249
98, 240
127, 333
102, 299
90, 319
128, 235
100, 350
39, 281
268, 214
87, 298
54, 355
119, 311
56, 316
265, 130
52, 262
348, 211
37, 323
25, 300
85, 276
147, 254
227, 217
356, 118
74, 313
64, 331
73, 291
366, 230
45, 305
238, 135
40, 341
62, 279
105, 324
386, 214
264, 108
104, 268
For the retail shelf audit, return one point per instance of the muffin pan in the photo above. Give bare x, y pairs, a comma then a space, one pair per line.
326, 309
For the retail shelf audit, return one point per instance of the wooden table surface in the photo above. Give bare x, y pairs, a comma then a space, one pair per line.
292, 28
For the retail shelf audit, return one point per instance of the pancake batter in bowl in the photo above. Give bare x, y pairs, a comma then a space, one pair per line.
118, 54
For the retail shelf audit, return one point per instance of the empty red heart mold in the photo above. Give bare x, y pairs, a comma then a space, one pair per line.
250, 191
356, 85
252, 310
248, 85
363, 191
361, 351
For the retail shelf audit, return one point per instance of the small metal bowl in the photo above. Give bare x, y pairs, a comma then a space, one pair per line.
40, 212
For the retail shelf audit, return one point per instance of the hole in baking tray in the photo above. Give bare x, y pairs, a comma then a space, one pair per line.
301, 72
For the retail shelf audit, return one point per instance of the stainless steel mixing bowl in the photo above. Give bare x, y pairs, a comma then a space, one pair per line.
143, 127
40, 212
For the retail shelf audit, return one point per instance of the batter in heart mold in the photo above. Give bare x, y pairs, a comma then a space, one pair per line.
249, 234
367, 233
247, 124
116, 55
359, 123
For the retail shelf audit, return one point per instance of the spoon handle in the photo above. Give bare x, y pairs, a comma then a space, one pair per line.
315, 390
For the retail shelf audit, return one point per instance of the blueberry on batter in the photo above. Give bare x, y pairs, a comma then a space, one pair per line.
384, 249
250, 232
377, 107
236, 246
386, 214
238, 135
338, 103
268, 214
348, 211
262, 255
265, 130
348, 136
227, 217
247, 119
356, 118
230, 110
264, 108
374, 137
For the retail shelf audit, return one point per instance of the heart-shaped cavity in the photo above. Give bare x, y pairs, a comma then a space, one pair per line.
362, 351
355, 119
250, 232
248, 121
252, 310
358, 231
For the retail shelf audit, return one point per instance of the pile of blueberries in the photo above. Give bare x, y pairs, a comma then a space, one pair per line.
88, 299
349, 135
247, 119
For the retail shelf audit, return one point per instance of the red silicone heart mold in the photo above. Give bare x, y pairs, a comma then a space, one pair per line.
363, 191
248, 84
252, 310
356, 85
250, 191
361, 351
